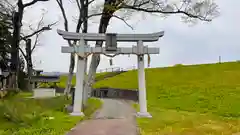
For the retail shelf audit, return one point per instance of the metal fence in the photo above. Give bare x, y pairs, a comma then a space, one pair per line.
116, 69
113, 69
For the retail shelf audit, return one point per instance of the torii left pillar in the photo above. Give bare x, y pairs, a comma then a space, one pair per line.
77, 106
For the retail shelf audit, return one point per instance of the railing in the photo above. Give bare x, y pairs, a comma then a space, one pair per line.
129, 68
116, 69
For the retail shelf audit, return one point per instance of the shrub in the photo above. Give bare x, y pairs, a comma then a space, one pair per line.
25, 116
8, 93
3, 94
18, 113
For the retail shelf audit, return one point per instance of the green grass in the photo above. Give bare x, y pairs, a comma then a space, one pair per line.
24, 116
194, 100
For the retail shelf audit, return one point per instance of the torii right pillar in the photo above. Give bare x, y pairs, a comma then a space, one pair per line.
142, 84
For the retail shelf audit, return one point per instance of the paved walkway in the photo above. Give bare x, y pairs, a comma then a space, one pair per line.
115, 118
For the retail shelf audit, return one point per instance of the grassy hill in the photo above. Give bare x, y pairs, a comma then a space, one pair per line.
194, 100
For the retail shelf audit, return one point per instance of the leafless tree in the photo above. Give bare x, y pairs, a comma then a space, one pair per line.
29, 47
17, 24
12, 11
82, 6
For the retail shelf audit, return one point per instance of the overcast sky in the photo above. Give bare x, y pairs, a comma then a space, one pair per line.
202, 43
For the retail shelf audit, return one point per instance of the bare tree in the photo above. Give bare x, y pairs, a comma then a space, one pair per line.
12, 11
29, 48
82, 6
191, 11
17, 24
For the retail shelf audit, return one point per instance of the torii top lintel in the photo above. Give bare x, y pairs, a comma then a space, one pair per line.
151, 37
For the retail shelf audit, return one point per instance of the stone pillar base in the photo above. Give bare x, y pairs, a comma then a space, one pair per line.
144, 115
77, 114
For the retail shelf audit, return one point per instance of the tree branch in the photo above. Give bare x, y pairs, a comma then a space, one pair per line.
90, 2
78, 5
33, 2
98, 14
93, 15
36, 32
24, 55
60, 4
166, 12
39, 31
80, 17
35, 42
123, 21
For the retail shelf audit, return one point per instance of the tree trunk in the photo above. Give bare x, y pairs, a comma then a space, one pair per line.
85, 29
29, 64
104, 21
72, 56
14, 50
85, 92
70, 74
92, 73
17, 24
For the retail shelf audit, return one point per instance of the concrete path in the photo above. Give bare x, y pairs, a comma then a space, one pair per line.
116, 117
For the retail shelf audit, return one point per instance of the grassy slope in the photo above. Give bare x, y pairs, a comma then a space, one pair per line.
25, 116
198, 99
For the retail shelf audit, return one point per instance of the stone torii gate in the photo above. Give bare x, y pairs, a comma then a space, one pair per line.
111, 40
